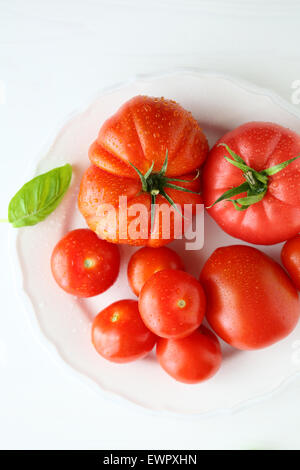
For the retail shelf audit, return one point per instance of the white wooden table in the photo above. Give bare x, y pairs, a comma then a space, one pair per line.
53, 55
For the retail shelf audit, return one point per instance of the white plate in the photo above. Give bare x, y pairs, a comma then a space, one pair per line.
220, 104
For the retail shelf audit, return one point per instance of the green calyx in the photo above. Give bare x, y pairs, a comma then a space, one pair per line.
155, 184
256, 184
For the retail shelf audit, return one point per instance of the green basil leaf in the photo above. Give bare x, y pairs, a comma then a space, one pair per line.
39, 197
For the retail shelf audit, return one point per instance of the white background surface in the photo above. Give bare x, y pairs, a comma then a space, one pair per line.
53, 56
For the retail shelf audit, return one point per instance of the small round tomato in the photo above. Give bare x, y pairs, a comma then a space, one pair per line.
290, 256
84, 265
251, 302
119, 335
192, 359
148, 261
172, 303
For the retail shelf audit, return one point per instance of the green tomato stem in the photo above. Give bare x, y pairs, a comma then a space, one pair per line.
256, 185
155, 184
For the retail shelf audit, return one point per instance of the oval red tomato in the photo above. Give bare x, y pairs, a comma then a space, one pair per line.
192, 359
147, 261
172, 303
119, 334
84, 265
290, 256
148, 136
251, 302
266, 207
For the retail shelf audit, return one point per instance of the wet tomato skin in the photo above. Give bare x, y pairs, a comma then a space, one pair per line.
84, 265
251, 302
119, 334
261, 145
290, 256
147, 261
192, 359
172, 303
139, 134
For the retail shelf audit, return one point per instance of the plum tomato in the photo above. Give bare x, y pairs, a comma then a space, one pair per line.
290, 256
119, 334
147, 261
192, 359
84, 265
251, 302
172, 303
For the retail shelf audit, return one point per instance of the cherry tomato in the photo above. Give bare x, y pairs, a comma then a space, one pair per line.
84, 265
192, 359
172, 303
151, 137
148, 261
119, 334
290, 256
251, 302
259, 185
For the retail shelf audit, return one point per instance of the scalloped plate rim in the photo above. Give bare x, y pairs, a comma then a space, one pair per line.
31, 316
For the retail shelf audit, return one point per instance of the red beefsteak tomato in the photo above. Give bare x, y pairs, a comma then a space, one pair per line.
149, 151
251, 183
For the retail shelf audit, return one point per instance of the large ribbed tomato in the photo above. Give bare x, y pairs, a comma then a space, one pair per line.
253, 177
143, 152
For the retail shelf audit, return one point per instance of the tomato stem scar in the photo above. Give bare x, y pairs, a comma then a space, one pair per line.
88, 263
115, 317
181, 303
